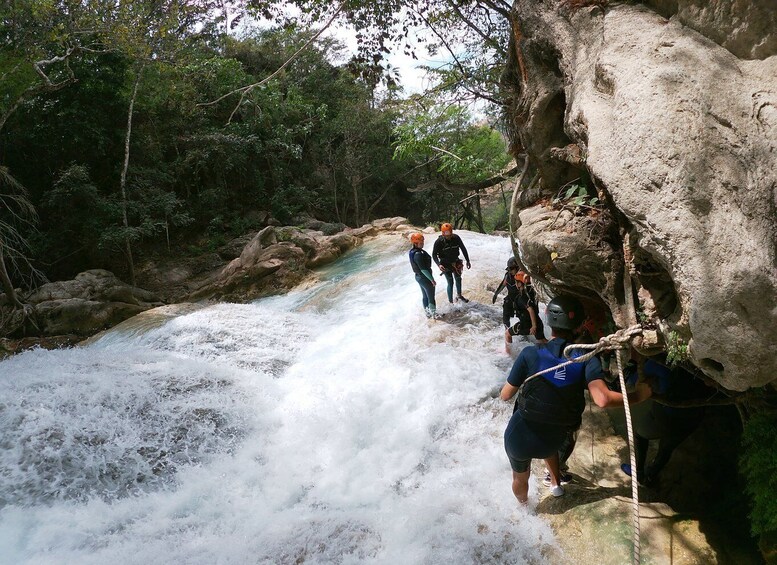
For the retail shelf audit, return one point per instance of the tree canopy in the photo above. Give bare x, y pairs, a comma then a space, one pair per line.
136, 124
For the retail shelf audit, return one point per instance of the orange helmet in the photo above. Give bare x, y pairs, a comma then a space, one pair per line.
522, 277
416, 238
446, 228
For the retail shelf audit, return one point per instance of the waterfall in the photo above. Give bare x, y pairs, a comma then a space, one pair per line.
334, 424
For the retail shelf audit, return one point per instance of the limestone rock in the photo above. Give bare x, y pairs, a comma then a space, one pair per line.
390, 223
681, 134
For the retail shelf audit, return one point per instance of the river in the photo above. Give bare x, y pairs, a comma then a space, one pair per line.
331, 425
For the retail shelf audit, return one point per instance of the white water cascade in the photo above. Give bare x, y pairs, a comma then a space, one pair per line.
331, 425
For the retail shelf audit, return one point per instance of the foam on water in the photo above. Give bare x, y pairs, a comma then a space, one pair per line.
333, 425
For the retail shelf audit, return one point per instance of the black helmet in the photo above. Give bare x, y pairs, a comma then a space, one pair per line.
565, 313
512, 263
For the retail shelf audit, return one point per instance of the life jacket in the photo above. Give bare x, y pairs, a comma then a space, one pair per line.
555, 397
426, 259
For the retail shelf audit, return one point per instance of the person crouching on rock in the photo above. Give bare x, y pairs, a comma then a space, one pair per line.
421, 262
525, 307
550, 405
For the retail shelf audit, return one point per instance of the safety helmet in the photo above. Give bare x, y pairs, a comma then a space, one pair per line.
446, 228
512, 263
565, 312
416, 238
521, 276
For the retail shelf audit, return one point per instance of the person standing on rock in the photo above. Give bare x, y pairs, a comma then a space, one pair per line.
446, 254
551, 405
421, 262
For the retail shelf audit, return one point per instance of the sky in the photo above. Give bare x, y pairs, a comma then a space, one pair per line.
412, 78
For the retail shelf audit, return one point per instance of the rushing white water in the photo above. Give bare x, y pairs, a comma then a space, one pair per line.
334, 425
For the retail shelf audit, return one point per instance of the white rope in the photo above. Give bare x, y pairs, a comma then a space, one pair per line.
617, 342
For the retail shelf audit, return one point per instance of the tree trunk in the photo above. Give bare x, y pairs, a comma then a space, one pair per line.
356, 208
123, 182
514, 222
480, 214
5, 279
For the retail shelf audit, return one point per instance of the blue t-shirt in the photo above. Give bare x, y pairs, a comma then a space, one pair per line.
555, 397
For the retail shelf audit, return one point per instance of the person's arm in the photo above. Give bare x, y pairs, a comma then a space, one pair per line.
436, 254
603, 397
464, 252
508, 391
533, 316
424, 269
502, 284
517, 375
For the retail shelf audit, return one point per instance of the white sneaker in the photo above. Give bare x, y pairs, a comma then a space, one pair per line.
557, 491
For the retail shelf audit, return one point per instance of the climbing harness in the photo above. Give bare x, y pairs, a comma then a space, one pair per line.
618, 342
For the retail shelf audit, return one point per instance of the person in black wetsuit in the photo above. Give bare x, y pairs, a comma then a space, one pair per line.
446, 254
421, 263
523, 304
668, 424
508, 282
550, 405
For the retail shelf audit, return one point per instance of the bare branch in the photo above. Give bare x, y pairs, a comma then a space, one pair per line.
441, 150
489, 40
247, 89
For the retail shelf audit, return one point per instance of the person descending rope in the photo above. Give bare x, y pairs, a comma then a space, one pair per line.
446, 254
525, 307
551, 404
421, 262
656, 421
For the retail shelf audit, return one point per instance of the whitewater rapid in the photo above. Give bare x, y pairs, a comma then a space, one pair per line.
331, 425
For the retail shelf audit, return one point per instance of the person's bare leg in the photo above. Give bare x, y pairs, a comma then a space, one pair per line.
553, 469
521, 486
508, 341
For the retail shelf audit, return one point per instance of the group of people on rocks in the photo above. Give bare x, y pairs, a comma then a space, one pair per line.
548, 389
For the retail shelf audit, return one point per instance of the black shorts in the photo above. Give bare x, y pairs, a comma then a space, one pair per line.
526, 440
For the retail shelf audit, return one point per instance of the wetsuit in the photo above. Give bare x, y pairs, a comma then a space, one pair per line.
446, 254
549, 406
421, 262
508, 308
523, 300
669, 425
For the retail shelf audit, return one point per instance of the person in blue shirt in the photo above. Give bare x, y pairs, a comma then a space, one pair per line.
421, 263
551, 405
446, 254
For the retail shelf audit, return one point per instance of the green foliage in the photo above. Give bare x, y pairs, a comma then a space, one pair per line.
496, 217
758, 464
317, 140
445, 137
676, 349
576, 194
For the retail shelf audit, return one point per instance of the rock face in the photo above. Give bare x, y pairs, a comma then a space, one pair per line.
93, 301
678, 133
278, 258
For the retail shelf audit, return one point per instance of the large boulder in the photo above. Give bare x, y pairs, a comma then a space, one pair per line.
93, 301
278, 258
679, 135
